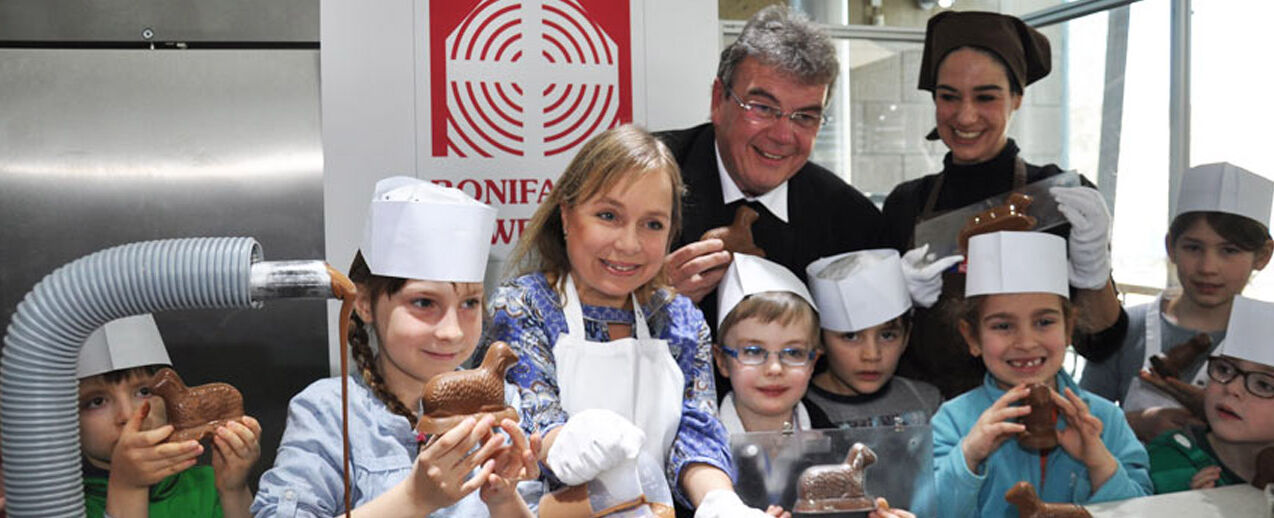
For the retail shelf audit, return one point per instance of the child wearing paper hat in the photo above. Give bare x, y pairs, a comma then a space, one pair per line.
866, 321
419, 276
1018, 319
1218, 238
129, 470
1239, 404
767, 344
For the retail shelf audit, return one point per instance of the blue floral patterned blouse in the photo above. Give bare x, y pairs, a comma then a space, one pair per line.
527, 314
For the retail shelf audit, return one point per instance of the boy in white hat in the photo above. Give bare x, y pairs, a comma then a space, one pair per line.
419, 276
768, 329
866, 321
767, 345
1217, 239
128, 468
1239, 404
1018, 319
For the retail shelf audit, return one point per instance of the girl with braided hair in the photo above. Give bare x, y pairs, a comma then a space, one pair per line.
418, 313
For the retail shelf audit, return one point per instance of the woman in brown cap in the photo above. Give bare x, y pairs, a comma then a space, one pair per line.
977, 65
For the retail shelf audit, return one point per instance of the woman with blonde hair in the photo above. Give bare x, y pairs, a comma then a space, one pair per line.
613, 363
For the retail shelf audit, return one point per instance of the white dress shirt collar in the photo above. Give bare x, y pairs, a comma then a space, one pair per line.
775, 200
733, 424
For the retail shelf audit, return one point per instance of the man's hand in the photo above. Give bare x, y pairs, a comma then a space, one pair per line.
696, 269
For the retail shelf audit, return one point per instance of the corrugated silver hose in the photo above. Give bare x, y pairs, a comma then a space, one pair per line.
38, 389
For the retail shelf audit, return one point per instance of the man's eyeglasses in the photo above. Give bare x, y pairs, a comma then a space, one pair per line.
757, 355
1259, 384
761, 112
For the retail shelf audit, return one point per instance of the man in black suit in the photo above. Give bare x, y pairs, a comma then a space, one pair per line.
768, 102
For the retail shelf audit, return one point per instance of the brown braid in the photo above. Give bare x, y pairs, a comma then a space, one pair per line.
362, 352
359, 344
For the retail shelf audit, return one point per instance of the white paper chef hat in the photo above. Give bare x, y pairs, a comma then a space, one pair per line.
750, 274
857, 290
420, 230
1017, 262
122, 344
1225, 187
1247, 336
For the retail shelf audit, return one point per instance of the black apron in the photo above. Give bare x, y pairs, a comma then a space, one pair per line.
936, 352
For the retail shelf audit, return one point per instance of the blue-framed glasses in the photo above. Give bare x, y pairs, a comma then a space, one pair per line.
757, 355
761, 112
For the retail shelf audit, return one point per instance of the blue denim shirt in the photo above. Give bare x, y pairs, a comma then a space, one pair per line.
307, 480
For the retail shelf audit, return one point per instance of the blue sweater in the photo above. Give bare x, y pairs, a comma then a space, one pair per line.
1065, 479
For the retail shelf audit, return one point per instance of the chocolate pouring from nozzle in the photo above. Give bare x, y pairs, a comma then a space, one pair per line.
942, 232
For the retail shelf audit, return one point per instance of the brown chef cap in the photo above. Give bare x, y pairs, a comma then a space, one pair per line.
1023, 49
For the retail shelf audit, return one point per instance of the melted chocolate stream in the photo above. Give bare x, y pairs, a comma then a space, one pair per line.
344, 289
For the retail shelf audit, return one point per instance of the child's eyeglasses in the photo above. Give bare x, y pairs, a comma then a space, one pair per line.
757, 355
1259, 384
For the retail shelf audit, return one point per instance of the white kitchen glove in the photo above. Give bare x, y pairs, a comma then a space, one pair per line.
1089, 244
591, 442
925, 282
724, 503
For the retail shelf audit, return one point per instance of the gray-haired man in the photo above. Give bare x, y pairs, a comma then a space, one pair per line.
768, 102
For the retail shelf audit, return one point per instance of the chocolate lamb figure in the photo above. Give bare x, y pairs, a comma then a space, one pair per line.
451, 396
738, 236
1029, 504
1171, 365
832, 488
1264, 468
196, 412
1011, 215
1041, 423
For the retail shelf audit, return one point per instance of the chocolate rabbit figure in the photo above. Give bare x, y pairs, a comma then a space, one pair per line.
1176, 360
1041, 423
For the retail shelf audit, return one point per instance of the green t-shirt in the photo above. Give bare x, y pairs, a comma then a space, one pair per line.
191, 493
1175, 456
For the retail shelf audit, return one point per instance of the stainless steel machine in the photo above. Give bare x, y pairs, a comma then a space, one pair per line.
124, 121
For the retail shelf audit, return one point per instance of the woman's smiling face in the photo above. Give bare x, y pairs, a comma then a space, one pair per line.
973, 105
617, 239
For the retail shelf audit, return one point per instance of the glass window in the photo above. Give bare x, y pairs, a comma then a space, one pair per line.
1229, 112
1141, 203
